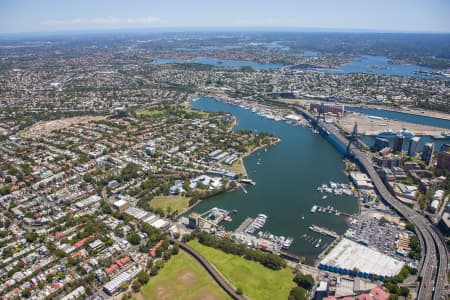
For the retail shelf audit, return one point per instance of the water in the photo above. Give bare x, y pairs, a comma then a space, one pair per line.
405, 117
286, 176
370, 64
221, 63
380, 65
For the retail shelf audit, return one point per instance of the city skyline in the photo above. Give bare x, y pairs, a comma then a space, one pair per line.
382, 16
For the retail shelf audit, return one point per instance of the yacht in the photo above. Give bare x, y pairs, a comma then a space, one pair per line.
287, 243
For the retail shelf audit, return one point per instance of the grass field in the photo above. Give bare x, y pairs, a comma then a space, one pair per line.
181, 278
256, 281
174, 202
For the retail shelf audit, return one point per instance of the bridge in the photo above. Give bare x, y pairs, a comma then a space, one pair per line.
433, 266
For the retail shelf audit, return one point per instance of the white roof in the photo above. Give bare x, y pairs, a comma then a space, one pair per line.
349, 255
159, 223
120, 202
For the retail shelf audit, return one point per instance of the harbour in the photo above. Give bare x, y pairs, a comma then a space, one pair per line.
287, 175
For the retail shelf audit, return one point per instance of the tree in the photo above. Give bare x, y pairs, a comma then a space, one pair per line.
304, 281
298, 293
136, 286
26, 293
134, 238
143, 277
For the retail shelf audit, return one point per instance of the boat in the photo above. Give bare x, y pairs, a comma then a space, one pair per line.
287, 243
314, 208
325, 197
303, 217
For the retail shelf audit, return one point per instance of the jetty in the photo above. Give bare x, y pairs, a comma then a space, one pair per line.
324, 231
244, 225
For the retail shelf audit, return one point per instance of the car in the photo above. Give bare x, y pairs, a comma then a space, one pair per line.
425, 284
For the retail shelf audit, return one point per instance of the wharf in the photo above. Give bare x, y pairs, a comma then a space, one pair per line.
324, 231
244, 225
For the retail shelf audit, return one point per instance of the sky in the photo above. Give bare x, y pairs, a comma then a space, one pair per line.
349, 15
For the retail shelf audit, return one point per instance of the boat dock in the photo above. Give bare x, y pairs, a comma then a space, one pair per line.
244, 225
329, 210
324, 231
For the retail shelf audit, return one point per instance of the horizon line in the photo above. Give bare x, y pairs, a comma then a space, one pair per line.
231, 29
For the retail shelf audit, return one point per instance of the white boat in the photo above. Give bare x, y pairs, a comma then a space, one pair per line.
287, 243
314, 208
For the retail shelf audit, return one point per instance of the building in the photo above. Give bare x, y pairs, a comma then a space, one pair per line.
427, 153
413, 144
121, 205
322, 290
112, 286
434, 206
444, 223
381, 143
389, 161
398, 143
361, 181
349, 257
193, 220
443, 160
327, 108
444, 148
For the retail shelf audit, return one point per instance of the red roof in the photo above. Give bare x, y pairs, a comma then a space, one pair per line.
59, 235
379, 294
364, 297
153, 250
111, 268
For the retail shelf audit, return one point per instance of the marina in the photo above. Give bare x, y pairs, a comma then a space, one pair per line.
301, 152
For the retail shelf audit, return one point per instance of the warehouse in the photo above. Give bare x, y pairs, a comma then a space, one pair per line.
349, 256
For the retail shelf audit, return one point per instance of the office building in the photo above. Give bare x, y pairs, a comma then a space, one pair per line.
413, 144
443, 160
398, 143
381, 143
427, 153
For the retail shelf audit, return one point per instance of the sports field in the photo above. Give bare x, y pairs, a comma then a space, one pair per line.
181, 278
255, 280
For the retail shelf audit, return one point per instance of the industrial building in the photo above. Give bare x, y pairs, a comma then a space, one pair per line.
349, 256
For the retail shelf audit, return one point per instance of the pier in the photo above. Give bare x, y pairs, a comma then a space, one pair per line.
244, 225
324, 231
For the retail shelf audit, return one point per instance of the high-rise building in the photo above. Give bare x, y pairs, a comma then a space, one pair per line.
427, 153
443, 160
413, 144
381, 143
398, 143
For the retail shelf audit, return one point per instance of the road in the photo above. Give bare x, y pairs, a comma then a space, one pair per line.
433, 268
223, 283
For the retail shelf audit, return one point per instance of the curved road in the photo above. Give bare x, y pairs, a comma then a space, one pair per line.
223, 283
